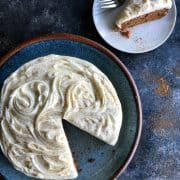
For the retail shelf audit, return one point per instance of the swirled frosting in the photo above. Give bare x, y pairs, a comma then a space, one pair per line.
136, 8
35, 99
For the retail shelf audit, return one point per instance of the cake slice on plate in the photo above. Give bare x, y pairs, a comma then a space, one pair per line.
140, 11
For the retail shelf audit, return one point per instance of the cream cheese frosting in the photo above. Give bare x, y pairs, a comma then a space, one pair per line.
35, 99
135, 8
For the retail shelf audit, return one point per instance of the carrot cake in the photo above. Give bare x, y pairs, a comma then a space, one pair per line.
137, 12
38, 96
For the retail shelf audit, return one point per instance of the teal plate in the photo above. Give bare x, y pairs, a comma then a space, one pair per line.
95, 159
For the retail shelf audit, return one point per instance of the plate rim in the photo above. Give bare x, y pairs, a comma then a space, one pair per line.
114, 58
143, 51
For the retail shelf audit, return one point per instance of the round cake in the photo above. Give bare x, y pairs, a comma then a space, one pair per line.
35, 99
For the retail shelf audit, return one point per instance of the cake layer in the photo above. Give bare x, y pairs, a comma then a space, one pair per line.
144, 18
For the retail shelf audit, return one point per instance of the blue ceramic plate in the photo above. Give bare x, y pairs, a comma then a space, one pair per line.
95, 159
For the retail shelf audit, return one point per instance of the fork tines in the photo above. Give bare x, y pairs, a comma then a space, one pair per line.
108, 3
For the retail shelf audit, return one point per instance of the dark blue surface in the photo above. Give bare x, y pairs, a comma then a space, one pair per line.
158, 156
106, 159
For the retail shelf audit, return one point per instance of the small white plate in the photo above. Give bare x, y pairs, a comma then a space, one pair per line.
145, 37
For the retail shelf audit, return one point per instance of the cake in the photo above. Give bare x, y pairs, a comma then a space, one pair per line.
38, 96
137, 12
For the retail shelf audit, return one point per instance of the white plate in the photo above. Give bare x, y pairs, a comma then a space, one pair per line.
145, 37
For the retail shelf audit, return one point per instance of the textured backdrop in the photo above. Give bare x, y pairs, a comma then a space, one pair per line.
156, 73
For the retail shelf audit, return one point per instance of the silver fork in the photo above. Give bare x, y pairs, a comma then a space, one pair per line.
107, 4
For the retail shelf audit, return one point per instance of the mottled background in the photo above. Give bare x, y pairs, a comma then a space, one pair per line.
156, 73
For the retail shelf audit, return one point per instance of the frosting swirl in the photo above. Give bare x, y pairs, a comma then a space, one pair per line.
35, 99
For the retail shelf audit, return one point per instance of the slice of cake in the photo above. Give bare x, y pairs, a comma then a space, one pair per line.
140, 11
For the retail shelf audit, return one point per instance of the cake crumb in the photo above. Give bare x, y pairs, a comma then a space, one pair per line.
91, 160
138, 40
126, 34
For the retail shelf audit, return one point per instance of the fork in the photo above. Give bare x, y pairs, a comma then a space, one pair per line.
107, 4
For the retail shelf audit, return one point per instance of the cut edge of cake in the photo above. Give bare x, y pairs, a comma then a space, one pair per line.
141, 11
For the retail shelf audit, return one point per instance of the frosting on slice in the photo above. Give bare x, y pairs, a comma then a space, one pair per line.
135, 8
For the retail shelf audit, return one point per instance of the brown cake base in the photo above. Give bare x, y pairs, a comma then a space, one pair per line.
142, 19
